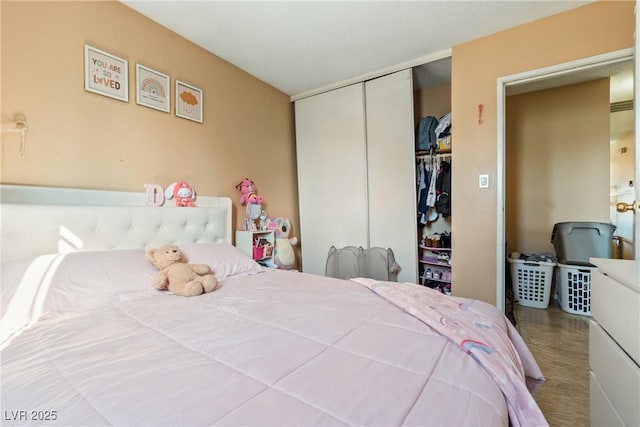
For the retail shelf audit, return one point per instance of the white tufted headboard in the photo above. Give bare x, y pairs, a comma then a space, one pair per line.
42, 220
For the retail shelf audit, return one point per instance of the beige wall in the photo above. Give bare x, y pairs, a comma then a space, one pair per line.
586, 31
80, 139
557, 162
432, 101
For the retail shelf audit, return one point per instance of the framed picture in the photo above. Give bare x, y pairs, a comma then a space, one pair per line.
106, 74
152, 89
188, 102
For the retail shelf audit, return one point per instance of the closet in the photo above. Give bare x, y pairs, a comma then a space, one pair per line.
434, 228
355, 151
356, 164
433, 195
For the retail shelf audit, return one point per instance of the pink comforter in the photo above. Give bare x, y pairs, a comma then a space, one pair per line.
278, 348
479, 336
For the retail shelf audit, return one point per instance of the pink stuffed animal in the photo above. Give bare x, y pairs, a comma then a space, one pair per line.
183, 193
248, 190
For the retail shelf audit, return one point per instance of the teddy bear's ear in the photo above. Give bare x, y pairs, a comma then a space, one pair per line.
150, 255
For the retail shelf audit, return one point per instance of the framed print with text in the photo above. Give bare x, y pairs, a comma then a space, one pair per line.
188, 102
152, 89
106, 74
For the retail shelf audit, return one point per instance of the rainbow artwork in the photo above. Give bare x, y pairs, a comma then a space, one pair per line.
153, 89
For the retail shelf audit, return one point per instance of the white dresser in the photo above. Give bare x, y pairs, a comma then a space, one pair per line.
614, 344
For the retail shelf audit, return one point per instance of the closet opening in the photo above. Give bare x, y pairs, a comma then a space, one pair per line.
433, 154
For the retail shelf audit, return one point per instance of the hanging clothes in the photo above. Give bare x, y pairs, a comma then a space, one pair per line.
433, 187
432, 196
421, 186
443, 189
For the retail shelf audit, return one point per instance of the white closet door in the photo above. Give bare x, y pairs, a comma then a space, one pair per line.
332, 189
391, 169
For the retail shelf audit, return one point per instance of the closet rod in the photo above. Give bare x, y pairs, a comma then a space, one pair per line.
440, 155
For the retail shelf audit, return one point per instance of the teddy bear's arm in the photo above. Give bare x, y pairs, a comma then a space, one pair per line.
200, 268
159, 280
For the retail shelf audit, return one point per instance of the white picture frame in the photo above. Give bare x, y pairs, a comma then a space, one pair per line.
106, 74
153, 89
189, 102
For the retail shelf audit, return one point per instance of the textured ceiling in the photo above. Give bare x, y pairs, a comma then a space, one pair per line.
621, 74
303, 46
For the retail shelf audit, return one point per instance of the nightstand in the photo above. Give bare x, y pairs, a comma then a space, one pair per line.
258, 245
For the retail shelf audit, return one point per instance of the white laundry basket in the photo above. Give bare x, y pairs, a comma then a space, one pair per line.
574, 282
532, 282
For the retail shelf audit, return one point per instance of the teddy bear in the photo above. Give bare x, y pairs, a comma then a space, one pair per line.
284, 257
182, 192
175, 274
248, 190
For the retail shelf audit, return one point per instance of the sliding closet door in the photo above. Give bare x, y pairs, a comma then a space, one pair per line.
332, 189
391, 169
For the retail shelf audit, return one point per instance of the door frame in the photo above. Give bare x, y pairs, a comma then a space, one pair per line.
513, 80
636, 116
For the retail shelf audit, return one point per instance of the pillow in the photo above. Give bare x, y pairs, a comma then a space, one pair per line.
70, 282
224, 259
11, 274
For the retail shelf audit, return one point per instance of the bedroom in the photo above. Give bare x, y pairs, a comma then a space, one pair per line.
244, 115
248, 129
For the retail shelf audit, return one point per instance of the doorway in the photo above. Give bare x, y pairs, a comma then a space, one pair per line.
541, 78
569, 157
622, 153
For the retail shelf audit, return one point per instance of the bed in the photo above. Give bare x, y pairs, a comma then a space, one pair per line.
87, 341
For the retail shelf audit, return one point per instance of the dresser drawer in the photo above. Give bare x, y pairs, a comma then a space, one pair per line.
617, 374
601, 410
616, 308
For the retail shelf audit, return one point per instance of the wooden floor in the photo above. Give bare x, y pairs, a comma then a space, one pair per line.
560, 343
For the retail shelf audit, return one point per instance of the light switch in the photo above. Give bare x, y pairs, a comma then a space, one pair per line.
483, 181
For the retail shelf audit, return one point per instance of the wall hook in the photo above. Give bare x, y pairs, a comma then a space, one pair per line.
19, 125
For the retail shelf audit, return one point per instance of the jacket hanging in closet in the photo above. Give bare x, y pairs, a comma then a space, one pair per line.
432, 196
422, 185
425, 184
426, 173
443, 189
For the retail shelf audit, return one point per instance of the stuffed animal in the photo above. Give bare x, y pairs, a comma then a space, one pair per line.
175, 274
248, 190
284, 257
183, 193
